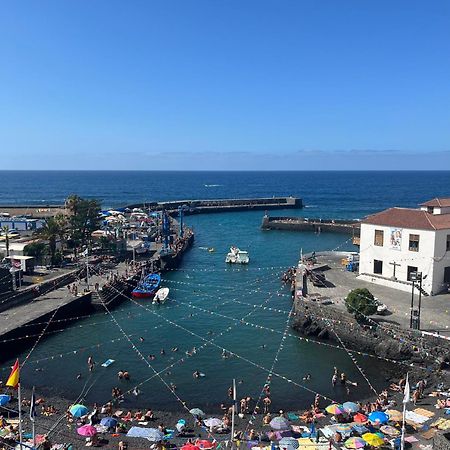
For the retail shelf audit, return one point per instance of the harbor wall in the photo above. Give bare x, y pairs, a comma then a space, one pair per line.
313, 225
387, 341
25, 335
16, 298
224, 205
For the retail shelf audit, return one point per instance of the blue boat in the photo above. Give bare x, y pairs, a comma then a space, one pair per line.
147, 287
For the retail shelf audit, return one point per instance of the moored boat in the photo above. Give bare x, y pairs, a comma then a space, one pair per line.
237, 256
161, 296
147, 287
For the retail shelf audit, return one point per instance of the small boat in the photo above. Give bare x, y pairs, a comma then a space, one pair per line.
147, 287
211, 249
161, 296
237, 256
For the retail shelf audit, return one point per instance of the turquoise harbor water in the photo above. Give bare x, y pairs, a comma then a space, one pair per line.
203, 284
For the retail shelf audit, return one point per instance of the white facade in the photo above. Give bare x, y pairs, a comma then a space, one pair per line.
432, 256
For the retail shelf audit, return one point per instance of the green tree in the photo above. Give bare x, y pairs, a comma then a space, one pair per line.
36, 249
361, 303
5, 230
84, 218
53, 229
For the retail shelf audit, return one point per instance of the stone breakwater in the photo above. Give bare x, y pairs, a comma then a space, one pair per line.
384, 340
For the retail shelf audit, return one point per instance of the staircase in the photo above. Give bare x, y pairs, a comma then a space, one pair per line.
406, 283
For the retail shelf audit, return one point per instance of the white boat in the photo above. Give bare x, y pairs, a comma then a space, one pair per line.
237, 256
161, 296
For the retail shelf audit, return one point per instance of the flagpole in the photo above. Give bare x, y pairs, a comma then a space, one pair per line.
233, 409
32, 417
405, 401
20, 416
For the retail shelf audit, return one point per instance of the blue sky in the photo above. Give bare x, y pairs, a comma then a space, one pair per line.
232, 84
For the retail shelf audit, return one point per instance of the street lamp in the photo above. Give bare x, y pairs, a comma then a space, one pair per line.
415, 276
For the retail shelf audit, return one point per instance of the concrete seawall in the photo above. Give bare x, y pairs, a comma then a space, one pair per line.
315, 225
386, 341
224, 205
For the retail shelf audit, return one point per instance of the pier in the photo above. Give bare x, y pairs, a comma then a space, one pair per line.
315, 225
224, 205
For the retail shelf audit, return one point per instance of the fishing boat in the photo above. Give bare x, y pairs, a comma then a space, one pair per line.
237, 256
147, 287
161, 296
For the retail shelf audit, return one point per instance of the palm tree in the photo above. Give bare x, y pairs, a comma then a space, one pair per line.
5, 230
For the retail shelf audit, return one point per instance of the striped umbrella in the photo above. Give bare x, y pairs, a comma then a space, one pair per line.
288, 443
335, 409
355, 442
351, 407
280, 423
391, 431
343, 428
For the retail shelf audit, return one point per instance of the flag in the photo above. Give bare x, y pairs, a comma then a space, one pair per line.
13, 379
406, 397
33, 406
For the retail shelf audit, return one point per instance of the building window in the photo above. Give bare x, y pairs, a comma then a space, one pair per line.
414, 242
377, 266
411, 269
379, 238
448, 243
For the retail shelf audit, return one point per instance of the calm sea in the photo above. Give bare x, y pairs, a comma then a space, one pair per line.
207, 300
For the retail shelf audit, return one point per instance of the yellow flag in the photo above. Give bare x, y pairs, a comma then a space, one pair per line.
13, 379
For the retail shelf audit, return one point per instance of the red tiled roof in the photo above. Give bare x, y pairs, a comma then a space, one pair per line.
439, 202
409, 218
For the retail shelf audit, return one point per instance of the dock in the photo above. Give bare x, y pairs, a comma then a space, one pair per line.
224, 205
352, 227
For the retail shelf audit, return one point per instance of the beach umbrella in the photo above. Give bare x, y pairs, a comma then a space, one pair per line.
360, 429
335, 409
213, 422
390, 431
359, 418
372, 439
109, 422
378, 417
280, 423
78, 410
154, 435
355, 442
4, 399
343, 428
351, 407
197, 412
204, 444
288, 443
190, 446
87, 431
394, 415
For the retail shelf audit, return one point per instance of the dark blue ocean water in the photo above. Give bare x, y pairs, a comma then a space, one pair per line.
346, 194
213, 294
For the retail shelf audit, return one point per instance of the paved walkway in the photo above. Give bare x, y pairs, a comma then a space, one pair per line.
435, 310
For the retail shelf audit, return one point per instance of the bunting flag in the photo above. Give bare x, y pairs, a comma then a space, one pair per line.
33, 406
13, 380
407, 394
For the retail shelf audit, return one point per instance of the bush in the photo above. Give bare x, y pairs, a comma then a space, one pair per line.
361, 303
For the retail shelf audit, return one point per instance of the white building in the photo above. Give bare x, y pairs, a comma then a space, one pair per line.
398, 241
